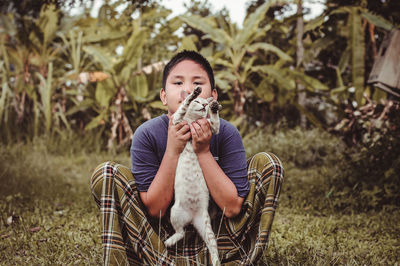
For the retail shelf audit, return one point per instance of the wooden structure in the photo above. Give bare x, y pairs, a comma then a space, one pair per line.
385, 73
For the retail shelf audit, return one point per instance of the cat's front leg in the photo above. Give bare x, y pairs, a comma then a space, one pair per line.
215, 107
196, 92
180, 113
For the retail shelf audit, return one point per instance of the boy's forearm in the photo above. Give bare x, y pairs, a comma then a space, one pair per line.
221, 188
161, 191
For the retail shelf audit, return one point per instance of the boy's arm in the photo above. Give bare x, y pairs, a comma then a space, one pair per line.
161, 191
221, 187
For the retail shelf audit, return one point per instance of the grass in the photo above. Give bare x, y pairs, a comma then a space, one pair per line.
55, 220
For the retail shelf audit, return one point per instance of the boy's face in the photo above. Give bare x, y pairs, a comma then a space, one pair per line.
183, 79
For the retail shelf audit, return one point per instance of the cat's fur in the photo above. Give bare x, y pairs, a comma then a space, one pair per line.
191, 193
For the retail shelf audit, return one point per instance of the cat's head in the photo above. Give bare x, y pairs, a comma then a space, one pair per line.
197, 109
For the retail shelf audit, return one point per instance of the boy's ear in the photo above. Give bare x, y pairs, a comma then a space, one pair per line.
214, 94
163, 96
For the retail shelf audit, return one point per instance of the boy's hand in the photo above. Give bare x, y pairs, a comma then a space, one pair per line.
201, 135
178, 135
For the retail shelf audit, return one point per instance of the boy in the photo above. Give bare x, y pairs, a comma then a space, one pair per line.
135, 204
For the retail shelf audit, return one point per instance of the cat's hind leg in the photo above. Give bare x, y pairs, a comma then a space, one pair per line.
179, 218
202, 223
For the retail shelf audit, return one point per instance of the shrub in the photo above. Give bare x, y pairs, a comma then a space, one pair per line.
303, 148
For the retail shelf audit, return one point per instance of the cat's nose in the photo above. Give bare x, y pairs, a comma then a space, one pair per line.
205, 104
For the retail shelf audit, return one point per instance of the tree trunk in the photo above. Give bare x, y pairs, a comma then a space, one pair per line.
299, 60
239, 99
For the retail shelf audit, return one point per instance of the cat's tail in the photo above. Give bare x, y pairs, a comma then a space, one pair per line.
202, 223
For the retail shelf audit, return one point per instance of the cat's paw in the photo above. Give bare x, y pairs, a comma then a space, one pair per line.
215, 107
169, 242
196, 91
194, 94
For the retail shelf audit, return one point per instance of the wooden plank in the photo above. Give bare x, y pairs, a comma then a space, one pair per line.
386, 68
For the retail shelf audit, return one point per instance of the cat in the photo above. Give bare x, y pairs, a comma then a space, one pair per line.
191, 193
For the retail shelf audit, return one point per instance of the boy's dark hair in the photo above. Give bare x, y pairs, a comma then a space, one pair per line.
189, 55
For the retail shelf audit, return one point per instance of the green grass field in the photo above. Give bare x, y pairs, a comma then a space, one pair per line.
55, 221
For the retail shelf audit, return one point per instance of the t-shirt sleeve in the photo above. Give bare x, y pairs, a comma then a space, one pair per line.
145, 163
232, 159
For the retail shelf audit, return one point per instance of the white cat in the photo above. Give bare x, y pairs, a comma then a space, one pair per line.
191, 193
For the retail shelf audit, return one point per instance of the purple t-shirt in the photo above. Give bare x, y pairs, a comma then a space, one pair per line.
150, 141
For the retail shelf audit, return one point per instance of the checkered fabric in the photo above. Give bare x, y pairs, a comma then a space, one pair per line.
130, 236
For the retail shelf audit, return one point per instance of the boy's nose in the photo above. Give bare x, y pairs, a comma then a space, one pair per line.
188, 89
184, 94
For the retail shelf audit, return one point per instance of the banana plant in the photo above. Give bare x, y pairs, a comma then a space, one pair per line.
237, 52
353, 28
27, 58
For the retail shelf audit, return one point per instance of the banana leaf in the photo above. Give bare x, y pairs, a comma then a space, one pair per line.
213, 33
269, 48
377, 20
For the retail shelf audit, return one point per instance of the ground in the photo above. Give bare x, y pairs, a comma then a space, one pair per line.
48, 216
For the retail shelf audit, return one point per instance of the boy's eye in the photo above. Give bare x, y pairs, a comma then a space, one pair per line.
178, 83
198, 83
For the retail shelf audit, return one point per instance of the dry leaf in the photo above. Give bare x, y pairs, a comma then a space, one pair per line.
98, 76
5, 236
35, 229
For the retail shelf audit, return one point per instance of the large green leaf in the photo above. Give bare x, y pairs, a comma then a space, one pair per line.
133, 49
48, 23
97, 121
101, 55
211, 31
250, 26
45, 90
311, 83
269, 48
138, 88
344, 60
276, 74
94, 37
265, 91
315, 23
105, 91
377, 20
187, 43
80, 106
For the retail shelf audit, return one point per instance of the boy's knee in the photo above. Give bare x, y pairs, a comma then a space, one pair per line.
96, 180
267, 160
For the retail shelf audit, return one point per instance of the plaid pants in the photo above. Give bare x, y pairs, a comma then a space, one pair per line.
130, 236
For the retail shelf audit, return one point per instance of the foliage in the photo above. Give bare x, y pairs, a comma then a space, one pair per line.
44, 64
44, 75
370, 175
296, 147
